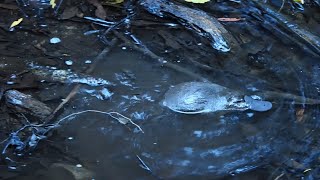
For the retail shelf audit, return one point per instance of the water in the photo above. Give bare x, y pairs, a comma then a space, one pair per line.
243, 145
173, 145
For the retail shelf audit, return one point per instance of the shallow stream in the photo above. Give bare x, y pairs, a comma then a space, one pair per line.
232, 145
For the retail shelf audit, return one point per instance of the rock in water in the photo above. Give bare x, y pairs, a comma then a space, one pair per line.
23, 103
202, 97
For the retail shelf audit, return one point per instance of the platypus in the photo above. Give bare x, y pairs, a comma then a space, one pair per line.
206, 97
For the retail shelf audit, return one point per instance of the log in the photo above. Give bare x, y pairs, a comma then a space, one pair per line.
23, 103
194, 19
297, 34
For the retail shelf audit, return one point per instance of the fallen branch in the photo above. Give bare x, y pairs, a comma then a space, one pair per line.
297, 34
197, 20
142, 48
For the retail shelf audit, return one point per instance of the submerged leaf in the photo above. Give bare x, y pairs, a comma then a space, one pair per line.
198, 1
15, 23
300, 115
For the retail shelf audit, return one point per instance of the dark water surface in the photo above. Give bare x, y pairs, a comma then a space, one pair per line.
231, 145
188, 146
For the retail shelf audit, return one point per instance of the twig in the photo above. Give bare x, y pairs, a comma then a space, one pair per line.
278, 177
58, 7
111, 114
282, 6
113, 27
143, 164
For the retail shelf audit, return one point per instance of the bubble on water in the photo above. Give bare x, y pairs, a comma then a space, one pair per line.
88, 62
55, 40
12, 167
188, 150
139, 115
184, 162
106, 93
197, 133
250, 114
147, 97
252, 88
69, 62
3, 65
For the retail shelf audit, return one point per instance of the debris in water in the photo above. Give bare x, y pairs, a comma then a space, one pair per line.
300, 114
115, 115
99, 94
197, 133
197, 1
139, 115
55, 40
88, 62
64, 76
250, 114
23, 103
143, 164
106, 93
70, 138
10, 82
15, 23
69, 62
222, 40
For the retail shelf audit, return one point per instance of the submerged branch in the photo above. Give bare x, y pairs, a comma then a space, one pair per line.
298, 34
142, 48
